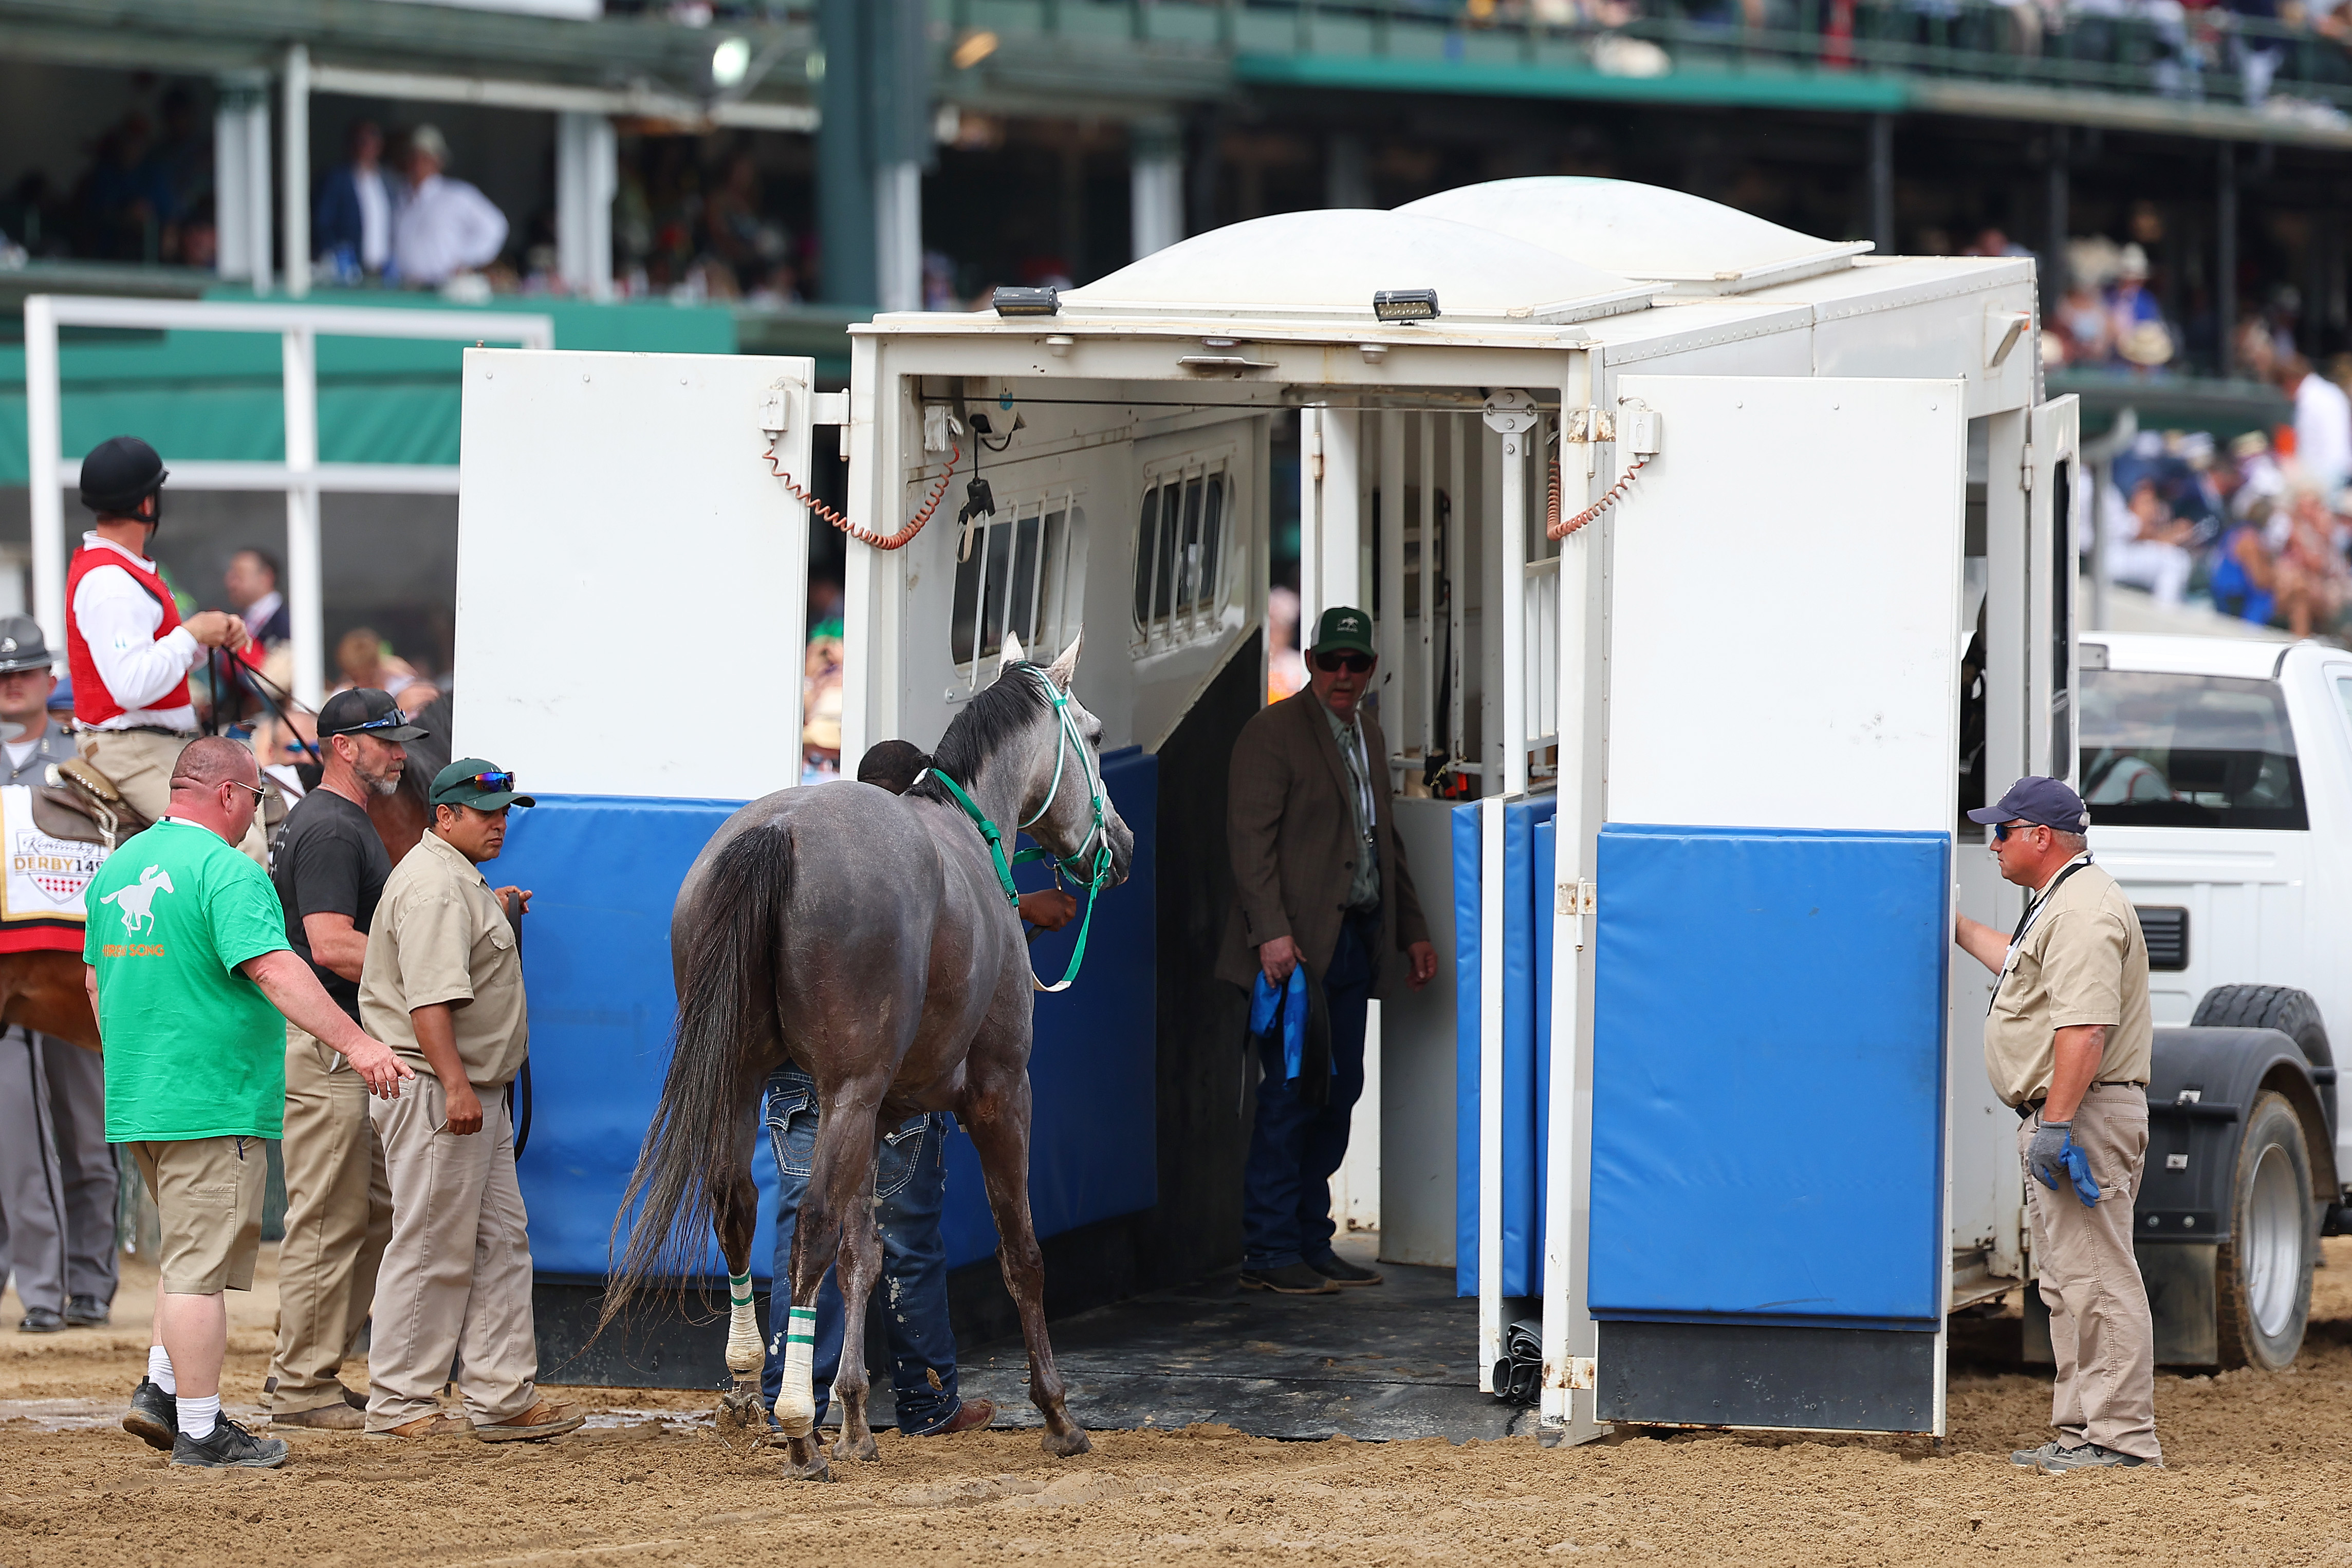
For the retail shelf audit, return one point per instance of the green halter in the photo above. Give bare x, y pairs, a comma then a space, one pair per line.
1094, 871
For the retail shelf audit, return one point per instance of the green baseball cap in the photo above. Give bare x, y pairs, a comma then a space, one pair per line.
470, 781
1344, 627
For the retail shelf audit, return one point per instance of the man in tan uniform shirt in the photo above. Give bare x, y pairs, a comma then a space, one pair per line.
443, 980
2068, 1042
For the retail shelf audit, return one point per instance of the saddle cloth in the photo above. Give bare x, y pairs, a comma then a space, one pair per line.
46, 874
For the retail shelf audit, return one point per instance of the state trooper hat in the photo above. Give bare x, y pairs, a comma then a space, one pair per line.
2050, 802
118, 474
21, 646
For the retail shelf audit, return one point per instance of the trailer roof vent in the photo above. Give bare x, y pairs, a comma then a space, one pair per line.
1689, 243
1327, 266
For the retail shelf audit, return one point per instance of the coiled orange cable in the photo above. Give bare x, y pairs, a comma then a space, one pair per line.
1555, 528
879, 541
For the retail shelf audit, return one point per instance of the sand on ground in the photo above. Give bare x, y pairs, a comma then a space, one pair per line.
2260, 1473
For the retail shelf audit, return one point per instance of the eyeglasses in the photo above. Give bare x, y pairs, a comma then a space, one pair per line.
2001, 831
259, 794
1354, 664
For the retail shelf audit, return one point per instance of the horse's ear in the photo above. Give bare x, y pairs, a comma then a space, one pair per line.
1011, 653
1064, 669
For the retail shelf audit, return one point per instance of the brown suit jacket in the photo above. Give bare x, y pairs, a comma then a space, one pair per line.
1293, 838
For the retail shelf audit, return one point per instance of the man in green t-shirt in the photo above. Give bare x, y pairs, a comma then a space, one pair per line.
189, 972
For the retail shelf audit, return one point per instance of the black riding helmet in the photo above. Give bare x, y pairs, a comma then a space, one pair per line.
118, 474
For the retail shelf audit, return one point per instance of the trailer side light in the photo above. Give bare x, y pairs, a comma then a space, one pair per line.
1009, 302
1406, 305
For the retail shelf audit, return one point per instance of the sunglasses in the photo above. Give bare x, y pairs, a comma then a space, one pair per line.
492, 783
259, 795
1354, 664
2001, 831
392, 720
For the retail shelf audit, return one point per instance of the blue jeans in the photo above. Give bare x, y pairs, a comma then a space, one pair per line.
1295, 1147
910, 1173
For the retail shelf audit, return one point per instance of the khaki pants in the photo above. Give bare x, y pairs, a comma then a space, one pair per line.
2100, 1330
338, 1219
207, 1194
138, 762
456, 1280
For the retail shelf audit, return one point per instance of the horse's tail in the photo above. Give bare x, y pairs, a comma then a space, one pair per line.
726, 1005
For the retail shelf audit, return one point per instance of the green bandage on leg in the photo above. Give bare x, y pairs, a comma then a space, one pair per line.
796, 1399
745, 1354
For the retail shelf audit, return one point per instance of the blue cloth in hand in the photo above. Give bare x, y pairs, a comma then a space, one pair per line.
1286, 1009
2078, 1170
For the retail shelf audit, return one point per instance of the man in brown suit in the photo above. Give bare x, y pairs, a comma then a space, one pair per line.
1319, 879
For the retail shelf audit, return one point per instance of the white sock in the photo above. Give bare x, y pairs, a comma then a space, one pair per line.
159, 1370
197, 1416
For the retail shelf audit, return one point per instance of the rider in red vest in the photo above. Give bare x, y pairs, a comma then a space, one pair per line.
126, 646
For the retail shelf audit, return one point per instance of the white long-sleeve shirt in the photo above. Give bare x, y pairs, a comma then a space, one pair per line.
446, 226
2322, 434
118, 619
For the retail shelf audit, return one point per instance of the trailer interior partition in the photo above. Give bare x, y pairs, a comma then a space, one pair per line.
1704, 564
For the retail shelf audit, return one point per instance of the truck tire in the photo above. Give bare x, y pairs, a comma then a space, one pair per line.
2263, 1275
2283, 1007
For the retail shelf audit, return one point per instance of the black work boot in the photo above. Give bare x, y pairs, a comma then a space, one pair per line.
229, 1447
1290, 1280
154, 1416
1339, 1271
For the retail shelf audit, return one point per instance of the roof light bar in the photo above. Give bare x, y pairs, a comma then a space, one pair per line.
1011, 301
1406, 305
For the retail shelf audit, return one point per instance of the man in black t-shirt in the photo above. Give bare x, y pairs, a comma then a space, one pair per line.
331, 870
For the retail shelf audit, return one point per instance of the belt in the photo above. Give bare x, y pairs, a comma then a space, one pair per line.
2031, 1108
142, 729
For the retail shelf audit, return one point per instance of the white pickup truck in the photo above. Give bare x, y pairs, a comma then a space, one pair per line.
2218, 776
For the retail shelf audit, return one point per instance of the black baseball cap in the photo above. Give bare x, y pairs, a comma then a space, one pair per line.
2050, 802
363, 710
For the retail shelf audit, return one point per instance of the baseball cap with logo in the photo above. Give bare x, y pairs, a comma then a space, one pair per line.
1343, 628
2048, 802
470, 781
21, 646
363, 710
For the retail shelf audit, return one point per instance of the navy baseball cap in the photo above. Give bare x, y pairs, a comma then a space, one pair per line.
2050, 802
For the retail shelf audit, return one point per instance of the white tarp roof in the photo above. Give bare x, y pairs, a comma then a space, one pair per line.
1692, 245
1328, 264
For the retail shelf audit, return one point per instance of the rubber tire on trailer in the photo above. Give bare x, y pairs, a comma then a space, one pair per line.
2262, 1285
2283, 1007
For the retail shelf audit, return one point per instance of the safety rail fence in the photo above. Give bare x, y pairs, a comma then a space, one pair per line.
2139, 47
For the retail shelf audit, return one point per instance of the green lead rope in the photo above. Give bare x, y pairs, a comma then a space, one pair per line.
1096, 872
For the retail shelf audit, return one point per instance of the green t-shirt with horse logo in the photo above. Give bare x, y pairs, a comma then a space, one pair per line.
194, 1049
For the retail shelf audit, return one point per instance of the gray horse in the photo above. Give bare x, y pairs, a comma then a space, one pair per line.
866, 936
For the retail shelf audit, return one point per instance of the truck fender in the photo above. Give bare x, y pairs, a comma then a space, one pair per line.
2202, 1082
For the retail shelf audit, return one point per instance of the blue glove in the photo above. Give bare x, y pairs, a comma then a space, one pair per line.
2053, 1153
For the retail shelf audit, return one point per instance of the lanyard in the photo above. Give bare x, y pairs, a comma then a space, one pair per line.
2025, 924
1363, 780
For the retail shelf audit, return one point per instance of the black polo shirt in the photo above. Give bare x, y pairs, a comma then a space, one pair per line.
329, 861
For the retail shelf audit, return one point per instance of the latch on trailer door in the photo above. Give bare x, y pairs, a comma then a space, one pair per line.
1578, 901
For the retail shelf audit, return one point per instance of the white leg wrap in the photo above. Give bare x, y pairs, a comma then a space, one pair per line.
796, 1400
745, 1354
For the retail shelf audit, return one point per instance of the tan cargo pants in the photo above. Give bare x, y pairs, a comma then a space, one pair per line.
454, 1285
139, 763
338, 1219
2100, 1329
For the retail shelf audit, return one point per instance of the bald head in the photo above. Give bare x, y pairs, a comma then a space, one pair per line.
211, 762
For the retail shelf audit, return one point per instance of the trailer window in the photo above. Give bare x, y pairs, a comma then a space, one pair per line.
1015, 577
1180, 555
2193, 751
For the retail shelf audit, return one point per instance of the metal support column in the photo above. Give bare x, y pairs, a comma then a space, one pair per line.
1155, 187
297, 159
1882, 183
587, 175
2225, 265
241, 179
306, 575
2054, 255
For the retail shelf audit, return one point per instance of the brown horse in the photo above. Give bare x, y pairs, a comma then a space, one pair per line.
866, 936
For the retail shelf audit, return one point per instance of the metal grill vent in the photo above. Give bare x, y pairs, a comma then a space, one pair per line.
2167, 931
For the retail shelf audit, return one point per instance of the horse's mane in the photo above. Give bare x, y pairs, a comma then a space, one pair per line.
429, 753
996, 716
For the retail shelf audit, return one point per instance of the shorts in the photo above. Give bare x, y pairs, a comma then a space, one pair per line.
207, 1193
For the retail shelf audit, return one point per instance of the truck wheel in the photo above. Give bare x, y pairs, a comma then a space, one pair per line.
2283, 1007
2263, 1276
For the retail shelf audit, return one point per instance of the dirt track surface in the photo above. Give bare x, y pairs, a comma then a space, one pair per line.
2261, 1473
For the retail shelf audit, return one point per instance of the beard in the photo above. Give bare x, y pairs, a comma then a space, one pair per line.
384, 783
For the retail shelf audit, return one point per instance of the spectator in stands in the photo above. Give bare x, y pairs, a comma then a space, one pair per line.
2313, 583
2323, 424
252, 583
2136, 321
2089, 330
350, 223
2147, 547
2245, 579
446, 226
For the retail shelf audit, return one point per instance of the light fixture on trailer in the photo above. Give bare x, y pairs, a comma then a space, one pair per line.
1011, 301
731, 62
1406, 305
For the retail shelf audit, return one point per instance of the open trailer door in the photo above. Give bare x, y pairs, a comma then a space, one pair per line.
1767, 1233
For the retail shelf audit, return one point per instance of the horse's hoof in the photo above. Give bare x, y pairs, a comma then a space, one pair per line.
741, 1419
864, 1448
817, 1470
1063, 1445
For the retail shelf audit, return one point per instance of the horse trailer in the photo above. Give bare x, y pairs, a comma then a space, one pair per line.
1717, 570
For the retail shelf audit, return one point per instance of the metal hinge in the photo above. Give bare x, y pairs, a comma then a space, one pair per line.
1585, 424
1578, 901
2025, 469
1582, 1373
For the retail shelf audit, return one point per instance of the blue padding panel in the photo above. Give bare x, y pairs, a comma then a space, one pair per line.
1522, 1102
1768, 1076
604, 871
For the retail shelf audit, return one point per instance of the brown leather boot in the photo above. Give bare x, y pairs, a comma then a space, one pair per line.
336, 1417
546, 1418
975, 1414
436, 1425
